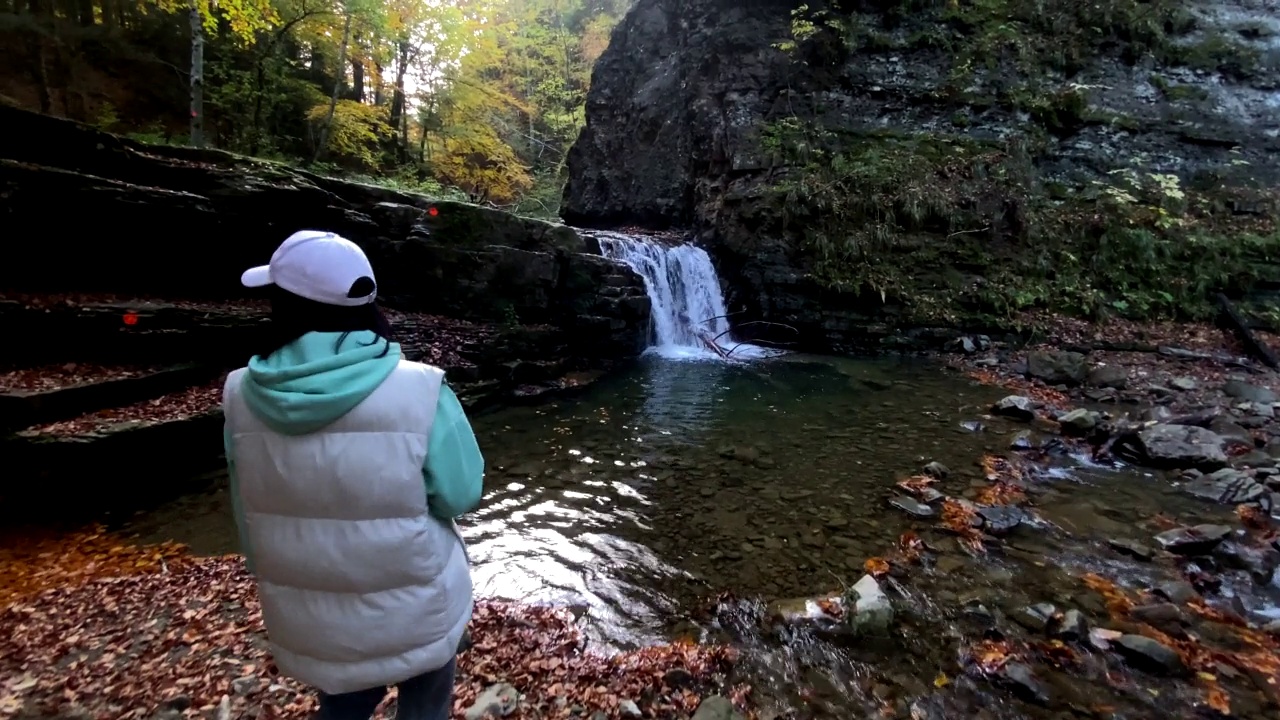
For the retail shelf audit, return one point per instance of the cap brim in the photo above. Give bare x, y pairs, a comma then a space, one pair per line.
256, 277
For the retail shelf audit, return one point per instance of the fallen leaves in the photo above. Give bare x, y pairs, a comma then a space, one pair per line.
961, 519
1254, 652
180, 405
1253, 517
917, 484
876, 566
54, 377
989, 656
131, 630
31, 563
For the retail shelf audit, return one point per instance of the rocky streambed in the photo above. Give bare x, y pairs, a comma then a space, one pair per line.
883, 537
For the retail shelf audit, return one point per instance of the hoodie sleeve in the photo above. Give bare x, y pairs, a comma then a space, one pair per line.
454, 469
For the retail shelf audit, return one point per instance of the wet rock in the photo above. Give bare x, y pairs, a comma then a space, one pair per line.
1259, 562
937, 469
872, 612
1165, 617
1183, 383
1079, 421
1146, 654
1251, 393
744, 454
1057, 367
1132, 548
245, 685
1020, 679
1195, 540
1000, 519
1252, 459
911, 507
495, 701
628, 708
716, 707
678, 678
1035, 618
1108, 376
1023, 441
1227, 486
1228, 428
1016, 407
1176, 591
1072, 626
1180, 446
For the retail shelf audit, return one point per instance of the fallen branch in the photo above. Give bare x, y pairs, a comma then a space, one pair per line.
1165, 350
758, 322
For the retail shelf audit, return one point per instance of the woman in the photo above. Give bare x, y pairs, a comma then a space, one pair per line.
348, 466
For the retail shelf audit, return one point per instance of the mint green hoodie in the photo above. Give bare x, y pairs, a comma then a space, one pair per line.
313, 381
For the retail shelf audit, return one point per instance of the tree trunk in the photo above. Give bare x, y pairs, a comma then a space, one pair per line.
323, 142
197, 76
357, 79
397, 95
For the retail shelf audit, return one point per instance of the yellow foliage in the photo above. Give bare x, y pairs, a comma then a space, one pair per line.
482, 165
355, 134
243, 17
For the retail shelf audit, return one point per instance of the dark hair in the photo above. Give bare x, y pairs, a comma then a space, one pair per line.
293, 316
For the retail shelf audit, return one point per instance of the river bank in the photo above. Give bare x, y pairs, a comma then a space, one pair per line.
99, 628
870, 538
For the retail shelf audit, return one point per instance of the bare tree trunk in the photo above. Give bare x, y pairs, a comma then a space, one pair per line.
402, 67
357, 79
323, 141
197, 76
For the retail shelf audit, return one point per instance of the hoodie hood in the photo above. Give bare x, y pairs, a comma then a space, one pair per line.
316, 379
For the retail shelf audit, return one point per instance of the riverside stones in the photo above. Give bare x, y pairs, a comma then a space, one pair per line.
1057, 368
1180, 446
872, 612
498, 700
1227, 486
716, 707
1016, 407
1195, 540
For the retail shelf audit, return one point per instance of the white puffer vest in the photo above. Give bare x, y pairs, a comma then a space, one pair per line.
360, 586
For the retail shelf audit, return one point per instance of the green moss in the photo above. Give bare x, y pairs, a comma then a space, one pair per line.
1214, 53
952, 230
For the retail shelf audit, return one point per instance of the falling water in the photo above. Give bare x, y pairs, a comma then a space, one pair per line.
688, 308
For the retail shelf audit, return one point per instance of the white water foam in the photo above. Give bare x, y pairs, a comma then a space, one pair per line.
688, 308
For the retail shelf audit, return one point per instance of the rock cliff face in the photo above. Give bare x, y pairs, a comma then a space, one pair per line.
947, 131
88, 212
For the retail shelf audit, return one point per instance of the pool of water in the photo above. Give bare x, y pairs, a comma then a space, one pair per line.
676, 480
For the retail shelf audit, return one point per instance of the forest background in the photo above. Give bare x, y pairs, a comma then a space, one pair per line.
468, 99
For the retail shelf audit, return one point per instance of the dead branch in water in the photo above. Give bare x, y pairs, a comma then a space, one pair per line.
759, 322
726, 316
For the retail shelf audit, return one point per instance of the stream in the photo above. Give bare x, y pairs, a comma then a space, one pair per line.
684, 477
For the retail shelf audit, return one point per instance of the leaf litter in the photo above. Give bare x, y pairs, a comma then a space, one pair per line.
111, 630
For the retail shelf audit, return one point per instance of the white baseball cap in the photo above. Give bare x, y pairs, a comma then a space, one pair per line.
316, 265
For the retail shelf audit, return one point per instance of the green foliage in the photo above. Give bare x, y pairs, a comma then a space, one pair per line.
480, 99
946, 226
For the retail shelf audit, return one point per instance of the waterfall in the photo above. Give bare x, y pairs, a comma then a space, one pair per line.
688, 307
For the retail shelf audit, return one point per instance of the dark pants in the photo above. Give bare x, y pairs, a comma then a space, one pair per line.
426, 697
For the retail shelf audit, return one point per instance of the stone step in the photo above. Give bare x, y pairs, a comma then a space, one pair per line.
38, 396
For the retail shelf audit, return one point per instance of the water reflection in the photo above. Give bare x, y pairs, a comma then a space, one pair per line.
680, 398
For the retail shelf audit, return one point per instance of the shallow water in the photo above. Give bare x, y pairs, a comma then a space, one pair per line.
667, 484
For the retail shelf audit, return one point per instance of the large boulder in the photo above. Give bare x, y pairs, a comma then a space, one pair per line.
92, 212
692, 104
1167, 446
